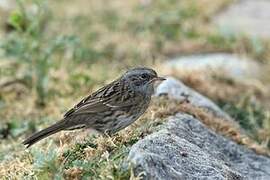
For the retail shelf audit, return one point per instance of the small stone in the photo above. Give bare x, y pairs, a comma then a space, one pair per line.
247, 16
7, 4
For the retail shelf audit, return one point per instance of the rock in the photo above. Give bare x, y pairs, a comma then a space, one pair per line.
185, 149
7, 4
219, 63
175, 89
246, 16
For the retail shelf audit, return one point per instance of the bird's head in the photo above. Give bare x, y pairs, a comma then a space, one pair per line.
142, 79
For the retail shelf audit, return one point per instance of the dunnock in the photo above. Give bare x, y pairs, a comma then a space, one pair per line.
111, 108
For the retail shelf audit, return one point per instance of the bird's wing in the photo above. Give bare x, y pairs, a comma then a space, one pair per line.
112, 96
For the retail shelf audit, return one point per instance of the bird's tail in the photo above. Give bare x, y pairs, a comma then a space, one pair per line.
59, 126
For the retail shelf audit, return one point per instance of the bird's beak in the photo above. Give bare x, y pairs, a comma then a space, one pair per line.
158, 79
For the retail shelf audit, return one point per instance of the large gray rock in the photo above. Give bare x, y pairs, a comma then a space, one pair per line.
175, 89
223, 64
246, 16
186, 149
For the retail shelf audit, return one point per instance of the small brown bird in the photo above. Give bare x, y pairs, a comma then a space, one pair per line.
109, 109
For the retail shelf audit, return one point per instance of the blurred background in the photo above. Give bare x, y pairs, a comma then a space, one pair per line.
52, 53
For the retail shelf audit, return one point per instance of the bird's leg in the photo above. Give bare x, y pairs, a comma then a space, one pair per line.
109, 136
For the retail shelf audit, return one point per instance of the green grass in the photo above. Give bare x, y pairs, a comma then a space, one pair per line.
251, 116
94, 167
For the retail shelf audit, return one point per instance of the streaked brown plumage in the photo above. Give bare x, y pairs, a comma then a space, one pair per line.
111, 108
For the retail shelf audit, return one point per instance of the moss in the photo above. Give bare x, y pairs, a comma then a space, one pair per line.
77, 153
94, 162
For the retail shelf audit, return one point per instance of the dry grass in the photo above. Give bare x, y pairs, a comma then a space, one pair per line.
160, 109
246, 100
112, 38
217, 85
218, 125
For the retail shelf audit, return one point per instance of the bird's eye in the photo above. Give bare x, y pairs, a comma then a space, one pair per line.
145, 76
